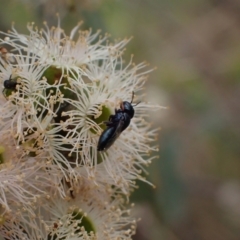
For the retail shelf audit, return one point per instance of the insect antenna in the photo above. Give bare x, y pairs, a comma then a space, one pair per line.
132, 96
136, 104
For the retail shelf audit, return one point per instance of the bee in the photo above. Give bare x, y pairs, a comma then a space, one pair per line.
116, 124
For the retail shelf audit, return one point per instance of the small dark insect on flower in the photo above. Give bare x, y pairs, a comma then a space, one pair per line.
10, 83
116, 124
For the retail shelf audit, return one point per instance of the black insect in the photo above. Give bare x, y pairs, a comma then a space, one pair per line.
10, 83
116, 124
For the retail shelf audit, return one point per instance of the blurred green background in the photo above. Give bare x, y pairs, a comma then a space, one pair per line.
195, 45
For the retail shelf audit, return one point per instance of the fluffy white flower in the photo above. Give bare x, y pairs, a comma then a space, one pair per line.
24, 180
92, 212
92, 81
58, 94
55, 48
22, 106
104, 89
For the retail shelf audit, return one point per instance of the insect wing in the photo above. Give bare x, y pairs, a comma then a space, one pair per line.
109, 136
118, 129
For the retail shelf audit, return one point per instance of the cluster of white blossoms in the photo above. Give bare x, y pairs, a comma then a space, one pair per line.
57, 93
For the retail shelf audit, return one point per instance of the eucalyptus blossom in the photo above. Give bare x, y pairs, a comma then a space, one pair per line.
57, 93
